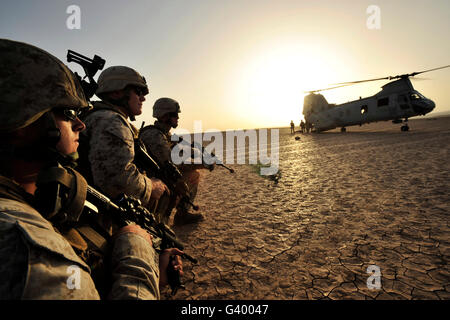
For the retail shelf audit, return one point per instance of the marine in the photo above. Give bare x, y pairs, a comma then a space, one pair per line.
107, 146
40, 104
157, 139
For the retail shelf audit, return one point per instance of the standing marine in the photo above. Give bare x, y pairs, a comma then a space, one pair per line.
302, 126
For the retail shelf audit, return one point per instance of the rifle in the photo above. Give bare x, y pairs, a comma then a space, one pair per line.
212, 156
90, 66
129, 209
203, 151
167, 172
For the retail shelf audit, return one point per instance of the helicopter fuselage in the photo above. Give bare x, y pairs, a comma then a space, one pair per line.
397, 100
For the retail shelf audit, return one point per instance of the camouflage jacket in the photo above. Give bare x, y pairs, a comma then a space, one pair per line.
110, 154
36, 262
156, 139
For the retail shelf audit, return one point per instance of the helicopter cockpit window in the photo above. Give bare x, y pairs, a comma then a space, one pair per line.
415, 96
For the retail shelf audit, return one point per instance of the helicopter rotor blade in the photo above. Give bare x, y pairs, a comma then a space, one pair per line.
420, 79
318, 90
343, 84
354, 82
415, 73
393, 77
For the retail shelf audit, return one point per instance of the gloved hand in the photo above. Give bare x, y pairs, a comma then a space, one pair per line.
158, 188
165, 259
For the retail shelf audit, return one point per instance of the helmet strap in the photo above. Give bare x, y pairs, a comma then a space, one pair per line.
52, 138
53, 133
127, 105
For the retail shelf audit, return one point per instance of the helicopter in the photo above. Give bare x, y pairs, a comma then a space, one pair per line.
396, 101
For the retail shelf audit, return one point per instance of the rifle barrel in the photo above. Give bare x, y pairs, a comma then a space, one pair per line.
191, 259
222, 165
101, 197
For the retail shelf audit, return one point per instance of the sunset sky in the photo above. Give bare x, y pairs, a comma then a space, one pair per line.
240, 64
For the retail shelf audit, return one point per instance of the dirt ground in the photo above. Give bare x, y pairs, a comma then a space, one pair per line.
373, 196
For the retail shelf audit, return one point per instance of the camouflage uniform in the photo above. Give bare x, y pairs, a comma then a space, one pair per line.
36, 261
157, 139
109, 138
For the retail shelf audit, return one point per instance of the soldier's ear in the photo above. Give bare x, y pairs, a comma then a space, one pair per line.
115, 95
32, 133
165, 118
53, 134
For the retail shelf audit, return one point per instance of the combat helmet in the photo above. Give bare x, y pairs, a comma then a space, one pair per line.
118, 78
33, 82
163, 106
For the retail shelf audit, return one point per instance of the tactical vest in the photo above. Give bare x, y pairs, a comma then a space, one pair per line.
163, 208
150, 127
90, 243
84, 166
153, 127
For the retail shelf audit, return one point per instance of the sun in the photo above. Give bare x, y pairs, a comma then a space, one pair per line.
273, 83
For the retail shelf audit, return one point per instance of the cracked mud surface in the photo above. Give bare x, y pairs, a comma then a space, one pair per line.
371, 196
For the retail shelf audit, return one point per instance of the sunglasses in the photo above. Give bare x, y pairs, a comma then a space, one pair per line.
72, 113
173, 114
139, 91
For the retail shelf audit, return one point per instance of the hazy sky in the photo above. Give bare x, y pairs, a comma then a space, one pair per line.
237, 64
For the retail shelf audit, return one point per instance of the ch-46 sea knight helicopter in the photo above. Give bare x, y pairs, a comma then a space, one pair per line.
396, 101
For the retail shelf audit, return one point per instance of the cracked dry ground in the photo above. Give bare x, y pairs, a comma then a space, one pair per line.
371, 196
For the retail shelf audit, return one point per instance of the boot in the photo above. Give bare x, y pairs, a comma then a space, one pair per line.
185, 217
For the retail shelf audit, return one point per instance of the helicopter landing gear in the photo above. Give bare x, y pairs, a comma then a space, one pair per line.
343, 129
405, 126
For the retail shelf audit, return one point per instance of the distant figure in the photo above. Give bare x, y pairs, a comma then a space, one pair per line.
302, 126
292, 126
